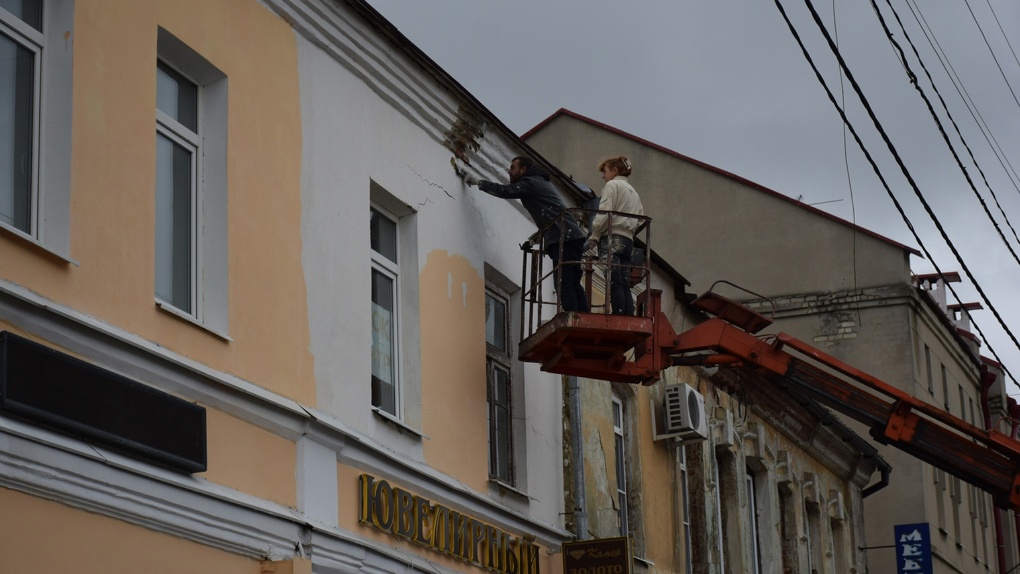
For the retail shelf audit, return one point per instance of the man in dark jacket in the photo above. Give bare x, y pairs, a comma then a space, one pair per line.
530, 184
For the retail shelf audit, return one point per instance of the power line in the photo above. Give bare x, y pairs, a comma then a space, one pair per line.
964, 95
948, 143
871, 159
992, 52
846, 163
1003, 32
945, 137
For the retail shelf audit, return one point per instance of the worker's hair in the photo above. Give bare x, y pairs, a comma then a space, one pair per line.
620, 163
524, 161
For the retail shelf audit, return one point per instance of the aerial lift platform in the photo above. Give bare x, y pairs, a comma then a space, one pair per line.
637, 349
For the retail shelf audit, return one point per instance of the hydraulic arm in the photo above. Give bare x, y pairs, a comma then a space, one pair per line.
985, 458
597, 347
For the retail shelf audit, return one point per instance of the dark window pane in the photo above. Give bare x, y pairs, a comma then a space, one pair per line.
500, 424
384, 236
502, 431
495, 322
29, 11
501, 387
17, 87
383, 344
174, 231
177, 96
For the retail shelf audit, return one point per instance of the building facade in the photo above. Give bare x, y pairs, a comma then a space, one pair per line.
283, 327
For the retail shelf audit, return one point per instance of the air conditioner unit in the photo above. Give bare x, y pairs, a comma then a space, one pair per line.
684, 412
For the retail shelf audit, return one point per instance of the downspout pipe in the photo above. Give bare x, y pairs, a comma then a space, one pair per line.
883, 482
987, 379
577, 458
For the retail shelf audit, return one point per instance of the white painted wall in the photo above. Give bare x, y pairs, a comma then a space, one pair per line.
354, 135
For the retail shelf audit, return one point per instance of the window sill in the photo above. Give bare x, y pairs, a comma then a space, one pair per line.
401, 426
644, 561
168, 308
37, 245
507, 488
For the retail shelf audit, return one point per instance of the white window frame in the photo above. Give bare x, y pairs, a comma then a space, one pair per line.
620, 439
502, 358
391, 270
49, 189
181, 135
752, 520
498, 282
408, 423
32, 40
209, 245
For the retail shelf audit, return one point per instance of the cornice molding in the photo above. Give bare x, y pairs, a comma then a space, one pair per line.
413, 85
130, 355
86, 477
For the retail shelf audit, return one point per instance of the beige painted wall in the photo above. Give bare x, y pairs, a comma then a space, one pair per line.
113, 186
64, 539
249, 459
453, 368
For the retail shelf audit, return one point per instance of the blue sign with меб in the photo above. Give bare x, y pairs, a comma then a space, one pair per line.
913, 548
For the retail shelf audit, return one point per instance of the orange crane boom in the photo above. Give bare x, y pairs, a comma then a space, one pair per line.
596, 346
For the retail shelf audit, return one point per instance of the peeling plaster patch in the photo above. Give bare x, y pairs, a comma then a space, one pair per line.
451, 329
465, 134
836, 326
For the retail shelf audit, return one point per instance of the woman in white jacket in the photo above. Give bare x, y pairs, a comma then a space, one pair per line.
612, 229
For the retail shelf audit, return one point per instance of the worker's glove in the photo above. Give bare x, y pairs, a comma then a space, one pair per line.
592, 243
471, 180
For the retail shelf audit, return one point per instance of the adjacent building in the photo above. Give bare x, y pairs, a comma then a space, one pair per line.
839, 287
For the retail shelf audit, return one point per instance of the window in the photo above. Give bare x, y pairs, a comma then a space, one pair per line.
385, 326
191, 186
945, 389
956, 497
35, 116
927, 362
621, 466
788, 528
940, 498
499, 386
752, 521
177, 152
816, 551
392, 279
19, 84
839, 553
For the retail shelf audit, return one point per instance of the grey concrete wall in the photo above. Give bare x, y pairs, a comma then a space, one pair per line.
710, 227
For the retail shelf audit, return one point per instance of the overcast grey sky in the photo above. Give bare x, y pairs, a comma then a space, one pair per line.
724, 82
